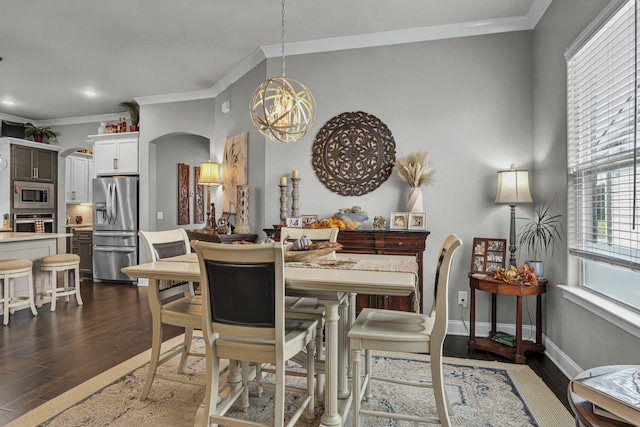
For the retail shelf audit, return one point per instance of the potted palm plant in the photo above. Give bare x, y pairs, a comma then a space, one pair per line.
37, 133
540, 235
133, 109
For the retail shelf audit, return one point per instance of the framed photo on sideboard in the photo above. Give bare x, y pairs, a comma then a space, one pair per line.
487, 254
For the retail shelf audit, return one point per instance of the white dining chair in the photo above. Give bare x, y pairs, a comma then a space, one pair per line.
244, 320
399, 331
171, 303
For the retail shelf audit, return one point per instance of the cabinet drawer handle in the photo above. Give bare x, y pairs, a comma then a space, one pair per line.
399, 243
115, 163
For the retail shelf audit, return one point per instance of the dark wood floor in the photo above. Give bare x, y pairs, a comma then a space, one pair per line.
44, 356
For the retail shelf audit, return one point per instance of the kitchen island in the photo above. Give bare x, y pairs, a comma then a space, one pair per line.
31, 246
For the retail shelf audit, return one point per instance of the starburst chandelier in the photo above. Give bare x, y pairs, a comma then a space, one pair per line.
282, 108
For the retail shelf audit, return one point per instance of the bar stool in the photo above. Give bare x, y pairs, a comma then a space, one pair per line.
11, 269
65, 263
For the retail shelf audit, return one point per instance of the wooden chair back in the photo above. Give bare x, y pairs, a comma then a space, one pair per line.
315, 234
440, 307
242, 289
165, 244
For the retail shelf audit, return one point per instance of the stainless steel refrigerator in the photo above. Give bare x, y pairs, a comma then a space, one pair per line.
115, 227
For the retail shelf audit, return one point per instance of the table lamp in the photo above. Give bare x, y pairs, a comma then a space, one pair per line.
513, 188
209, 175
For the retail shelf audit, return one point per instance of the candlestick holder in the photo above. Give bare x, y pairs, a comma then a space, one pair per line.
283, 204
242, 210
295, 211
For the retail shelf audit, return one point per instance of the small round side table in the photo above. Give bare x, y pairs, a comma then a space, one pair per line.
583, 409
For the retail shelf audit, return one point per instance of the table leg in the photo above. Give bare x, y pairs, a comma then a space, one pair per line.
519, 358
331, 416
343, 361
493, 315
539, 319
472, 317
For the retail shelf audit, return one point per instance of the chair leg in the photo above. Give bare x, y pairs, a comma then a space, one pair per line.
53, 282
188, 336
66, 274
5, 286
319, 356
259, 379
32, 297
367, 371
156, 343
212, 384
311, 409
77, 283
245, 386
438, 389
356, 359
279, 394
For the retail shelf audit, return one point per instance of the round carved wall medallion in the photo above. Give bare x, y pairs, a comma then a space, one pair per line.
353, 153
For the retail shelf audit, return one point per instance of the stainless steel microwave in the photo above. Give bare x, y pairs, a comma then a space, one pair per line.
33, 195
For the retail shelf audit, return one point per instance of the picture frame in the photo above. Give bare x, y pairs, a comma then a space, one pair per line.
399, 220
417, 221
294, 222
306, 220
487, 254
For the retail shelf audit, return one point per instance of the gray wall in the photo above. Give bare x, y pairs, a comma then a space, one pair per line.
477, 104
584, 337
170, 151
468, 101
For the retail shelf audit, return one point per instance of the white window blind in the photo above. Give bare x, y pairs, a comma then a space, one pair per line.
602, 84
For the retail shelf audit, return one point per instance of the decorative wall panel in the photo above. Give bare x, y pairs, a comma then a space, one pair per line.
353, 153
183, 194
234, 169
198, 200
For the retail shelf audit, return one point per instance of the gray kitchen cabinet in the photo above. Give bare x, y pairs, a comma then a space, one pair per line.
81, 246
33, 164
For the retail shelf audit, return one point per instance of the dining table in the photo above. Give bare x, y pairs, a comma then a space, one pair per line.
329, 279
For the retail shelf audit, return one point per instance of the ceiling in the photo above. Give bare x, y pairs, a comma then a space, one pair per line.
163, 50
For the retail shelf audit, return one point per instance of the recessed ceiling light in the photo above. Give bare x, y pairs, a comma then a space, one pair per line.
7, 102
90, 93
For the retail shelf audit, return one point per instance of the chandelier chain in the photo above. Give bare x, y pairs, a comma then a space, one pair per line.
282, 34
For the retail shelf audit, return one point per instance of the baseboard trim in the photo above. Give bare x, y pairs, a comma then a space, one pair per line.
568, 367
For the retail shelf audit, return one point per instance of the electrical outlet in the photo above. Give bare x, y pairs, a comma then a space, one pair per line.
462, 298
160, 215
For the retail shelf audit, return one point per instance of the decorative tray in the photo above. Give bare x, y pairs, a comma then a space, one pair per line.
310, 253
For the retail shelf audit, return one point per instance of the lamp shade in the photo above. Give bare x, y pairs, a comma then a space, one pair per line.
209, 173
513, 186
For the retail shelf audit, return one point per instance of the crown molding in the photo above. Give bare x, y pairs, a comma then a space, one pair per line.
388, 38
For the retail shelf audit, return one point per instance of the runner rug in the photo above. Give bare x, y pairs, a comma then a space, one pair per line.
482, 394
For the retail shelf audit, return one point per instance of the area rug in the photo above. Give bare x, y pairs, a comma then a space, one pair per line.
482, 394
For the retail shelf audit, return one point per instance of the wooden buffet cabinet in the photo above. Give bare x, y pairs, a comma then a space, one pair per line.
383, 242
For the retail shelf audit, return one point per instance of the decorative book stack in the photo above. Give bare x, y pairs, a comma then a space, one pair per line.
617, 392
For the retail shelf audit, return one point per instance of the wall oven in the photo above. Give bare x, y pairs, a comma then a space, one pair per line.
33, 195
26, 222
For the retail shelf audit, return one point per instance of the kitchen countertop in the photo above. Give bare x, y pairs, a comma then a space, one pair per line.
23, 236
84, 224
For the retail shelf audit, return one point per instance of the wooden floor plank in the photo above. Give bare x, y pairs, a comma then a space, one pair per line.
42, 357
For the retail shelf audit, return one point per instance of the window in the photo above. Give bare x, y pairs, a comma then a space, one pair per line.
603, 154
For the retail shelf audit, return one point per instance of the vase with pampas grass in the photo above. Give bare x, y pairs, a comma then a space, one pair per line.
417, 172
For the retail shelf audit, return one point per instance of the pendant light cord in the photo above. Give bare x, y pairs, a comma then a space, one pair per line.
282, 34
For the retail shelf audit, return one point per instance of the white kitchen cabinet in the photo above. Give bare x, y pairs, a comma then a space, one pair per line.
115, 154
77, 179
